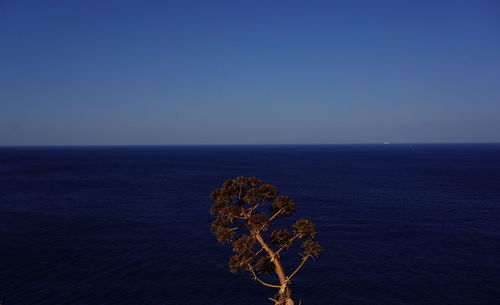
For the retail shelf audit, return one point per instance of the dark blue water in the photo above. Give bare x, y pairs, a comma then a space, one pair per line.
401, 224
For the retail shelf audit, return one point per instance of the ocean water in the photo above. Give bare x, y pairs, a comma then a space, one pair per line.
400, 224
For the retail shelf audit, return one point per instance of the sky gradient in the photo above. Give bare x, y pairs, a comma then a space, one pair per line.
249, 72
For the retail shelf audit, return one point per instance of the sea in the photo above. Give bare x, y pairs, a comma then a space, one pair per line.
414, 224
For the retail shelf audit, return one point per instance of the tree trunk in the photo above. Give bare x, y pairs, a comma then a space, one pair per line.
279, 268
285, 293
286, 297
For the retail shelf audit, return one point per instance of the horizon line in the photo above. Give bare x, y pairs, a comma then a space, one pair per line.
241, 144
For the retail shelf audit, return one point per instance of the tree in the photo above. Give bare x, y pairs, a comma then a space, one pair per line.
241, 222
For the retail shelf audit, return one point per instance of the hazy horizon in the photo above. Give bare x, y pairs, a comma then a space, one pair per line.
259, 73
252, 144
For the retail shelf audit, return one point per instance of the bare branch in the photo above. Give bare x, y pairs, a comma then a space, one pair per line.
279, 268
251, 258
250, 210
255, 277
275, 215
289, 241
300, 266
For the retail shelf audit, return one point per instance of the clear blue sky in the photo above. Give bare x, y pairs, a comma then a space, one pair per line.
249, 72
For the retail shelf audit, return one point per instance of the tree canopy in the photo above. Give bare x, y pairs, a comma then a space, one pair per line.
245, 211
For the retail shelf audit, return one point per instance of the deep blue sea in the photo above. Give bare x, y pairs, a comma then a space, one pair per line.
400, 224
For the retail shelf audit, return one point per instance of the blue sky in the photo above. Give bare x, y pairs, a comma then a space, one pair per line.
249, 72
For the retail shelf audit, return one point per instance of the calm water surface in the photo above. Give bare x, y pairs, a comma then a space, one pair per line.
401, 224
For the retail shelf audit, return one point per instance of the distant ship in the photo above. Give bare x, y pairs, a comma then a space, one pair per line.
387, 142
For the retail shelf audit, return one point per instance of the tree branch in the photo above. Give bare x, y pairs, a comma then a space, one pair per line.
250, 210
275, 215
255, 277
250, 259
279, 268
298, 268
289, 241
